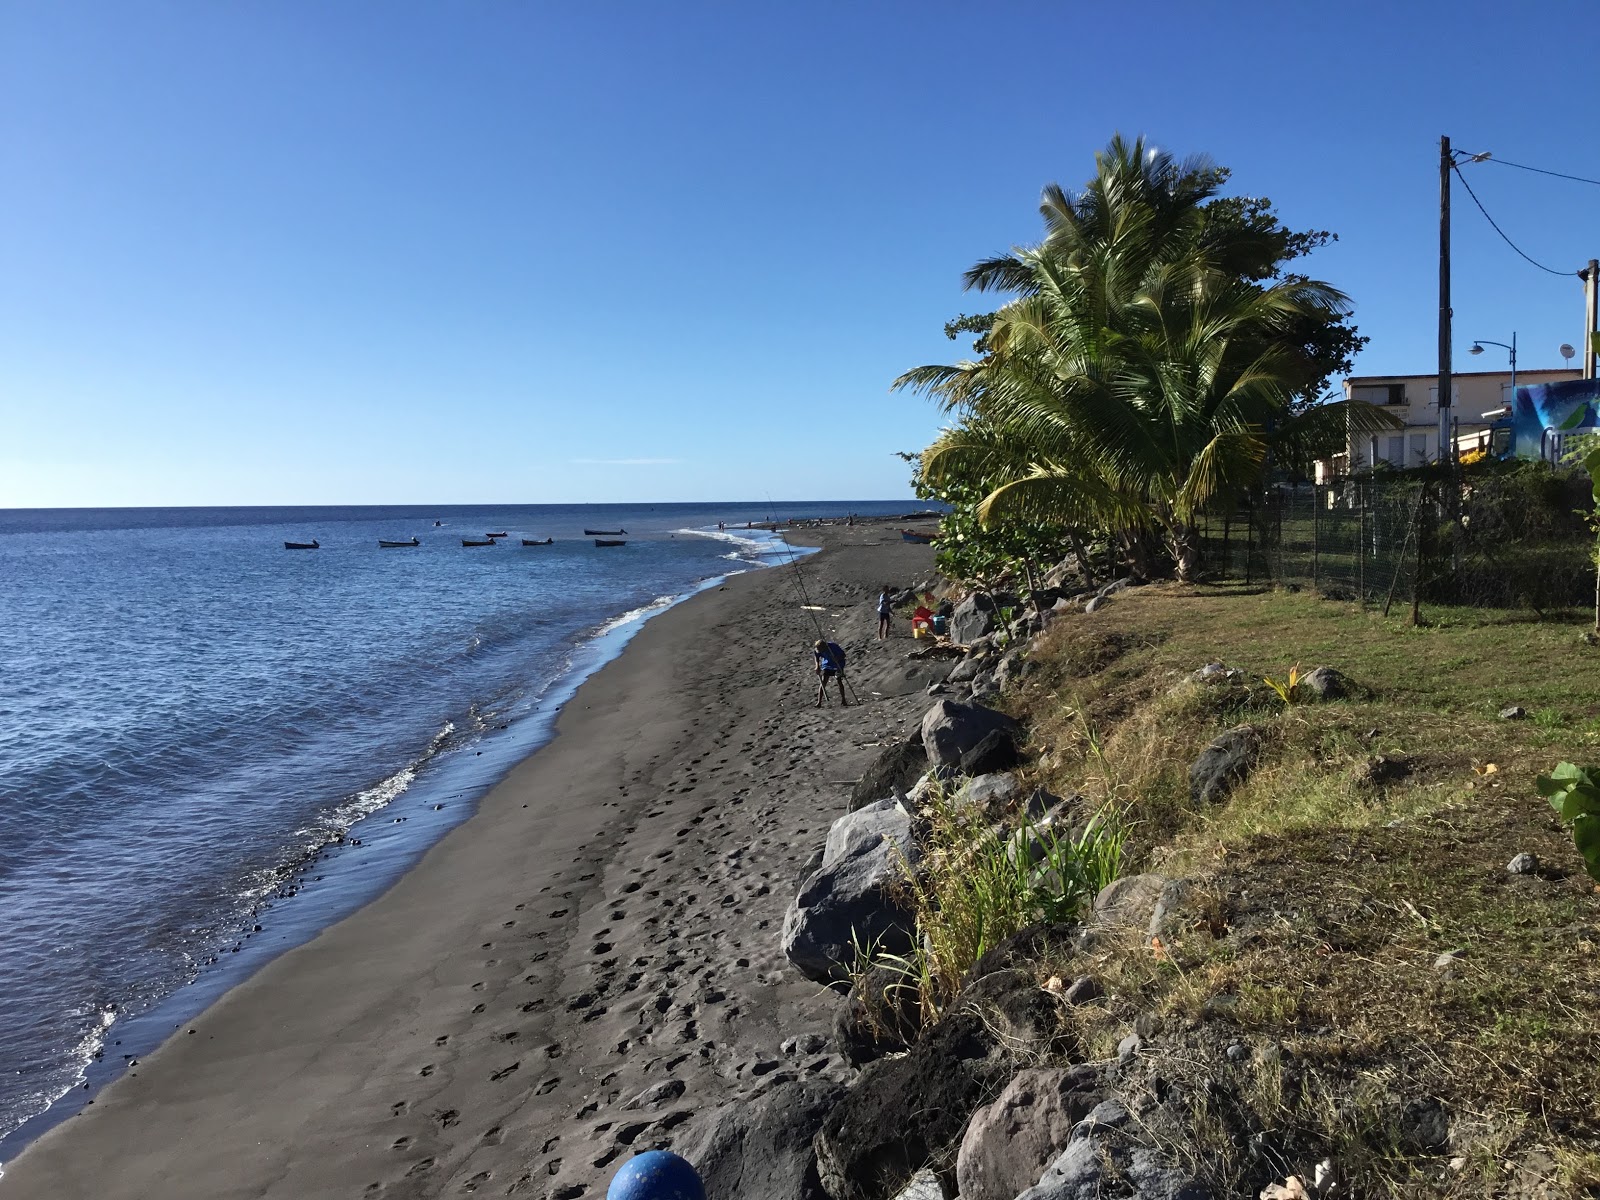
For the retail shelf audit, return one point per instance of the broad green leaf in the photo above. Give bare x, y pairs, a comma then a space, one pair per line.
1580, 802
1586, 833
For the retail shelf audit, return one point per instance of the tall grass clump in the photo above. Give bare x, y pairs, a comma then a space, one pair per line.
978, 884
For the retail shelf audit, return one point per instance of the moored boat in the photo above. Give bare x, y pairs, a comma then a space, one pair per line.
608, 542
477, 541
393, 545
922, 539
603, 532
502, 533
536, 542
311, 545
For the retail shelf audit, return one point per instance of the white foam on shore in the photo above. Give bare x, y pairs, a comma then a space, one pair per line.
636, 614
748, 545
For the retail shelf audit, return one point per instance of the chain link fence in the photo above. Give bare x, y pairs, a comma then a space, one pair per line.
1515, 539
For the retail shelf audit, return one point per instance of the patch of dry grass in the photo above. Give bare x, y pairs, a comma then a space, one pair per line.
1371, 838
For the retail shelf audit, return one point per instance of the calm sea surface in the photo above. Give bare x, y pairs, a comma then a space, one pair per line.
210, 747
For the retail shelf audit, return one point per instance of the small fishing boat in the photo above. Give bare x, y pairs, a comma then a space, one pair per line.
394, 545
311, 545
608, 542
477, 542
603, 532
921, 539
535, 542
502, 533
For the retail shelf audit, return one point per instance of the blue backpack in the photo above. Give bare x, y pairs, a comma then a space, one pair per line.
833, 659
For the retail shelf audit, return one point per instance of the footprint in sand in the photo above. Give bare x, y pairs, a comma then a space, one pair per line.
503, 1072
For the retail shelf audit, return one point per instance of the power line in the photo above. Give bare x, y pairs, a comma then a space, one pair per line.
1500, 231
1536, 170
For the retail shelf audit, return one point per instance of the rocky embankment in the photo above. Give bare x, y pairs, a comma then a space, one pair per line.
1030, 1082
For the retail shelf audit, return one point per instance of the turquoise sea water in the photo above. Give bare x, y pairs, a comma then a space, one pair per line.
210, 746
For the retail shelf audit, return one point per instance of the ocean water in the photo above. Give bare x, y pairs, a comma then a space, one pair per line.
211, 747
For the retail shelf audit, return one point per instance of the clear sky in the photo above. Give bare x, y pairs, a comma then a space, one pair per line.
375, 251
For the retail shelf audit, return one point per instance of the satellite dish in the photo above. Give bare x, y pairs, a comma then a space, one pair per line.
1567, 351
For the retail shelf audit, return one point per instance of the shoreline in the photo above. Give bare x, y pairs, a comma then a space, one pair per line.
304, 903
326, 1070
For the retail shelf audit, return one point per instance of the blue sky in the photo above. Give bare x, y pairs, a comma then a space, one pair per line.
364, 252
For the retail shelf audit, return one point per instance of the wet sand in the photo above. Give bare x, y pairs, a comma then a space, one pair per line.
607, 921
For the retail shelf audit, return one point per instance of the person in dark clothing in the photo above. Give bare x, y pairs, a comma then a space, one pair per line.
829, 658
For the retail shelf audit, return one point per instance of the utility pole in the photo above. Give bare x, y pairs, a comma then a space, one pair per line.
1591, 314
1445, 164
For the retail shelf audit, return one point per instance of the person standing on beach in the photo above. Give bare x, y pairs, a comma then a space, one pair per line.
885, 611
829, 657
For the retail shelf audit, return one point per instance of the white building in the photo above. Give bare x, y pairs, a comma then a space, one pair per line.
1478, 398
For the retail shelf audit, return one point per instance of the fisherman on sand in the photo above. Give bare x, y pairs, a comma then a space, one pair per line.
830, 665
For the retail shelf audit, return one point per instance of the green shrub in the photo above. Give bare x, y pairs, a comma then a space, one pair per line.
977, 886
1573, 792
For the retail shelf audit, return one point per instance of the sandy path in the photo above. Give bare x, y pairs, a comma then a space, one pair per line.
608, 921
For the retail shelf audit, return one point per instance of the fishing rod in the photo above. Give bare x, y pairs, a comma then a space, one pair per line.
805, 595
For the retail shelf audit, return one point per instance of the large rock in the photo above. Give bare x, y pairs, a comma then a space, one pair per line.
996, 751
761, 1148
1223, 764
991, 790
852, 900
969, 667
1128, 903
949, 730
1108, 1135
1325, 683
908, 1112
1010, 1143
974, 617
898, 766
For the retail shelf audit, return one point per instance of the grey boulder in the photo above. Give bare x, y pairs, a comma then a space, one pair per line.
1325, 683
1010, 1143
852, 900
1223, 764
949, 730
974, 617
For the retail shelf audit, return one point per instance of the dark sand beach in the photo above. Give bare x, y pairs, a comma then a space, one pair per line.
608, 921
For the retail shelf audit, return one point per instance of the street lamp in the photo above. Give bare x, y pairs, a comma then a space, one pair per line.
1477, 348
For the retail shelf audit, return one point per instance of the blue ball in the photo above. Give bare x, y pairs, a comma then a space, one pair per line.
656, 1175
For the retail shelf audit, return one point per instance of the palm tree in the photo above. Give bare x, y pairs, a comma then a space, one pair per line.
1144, 367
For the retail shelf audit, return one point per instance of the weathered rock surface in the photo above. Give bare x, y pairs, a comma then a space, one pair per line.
761, 1149
1325, 683
852, 898
974, 617
968, 668
995, 751
990, 790
898, 765
908, 1112
1129, 902
949, 729
1223, 764
1105, 1136
1010, 1143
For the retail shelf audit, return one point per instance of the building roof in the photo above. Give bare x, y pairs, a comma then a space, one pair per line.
1562, 372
